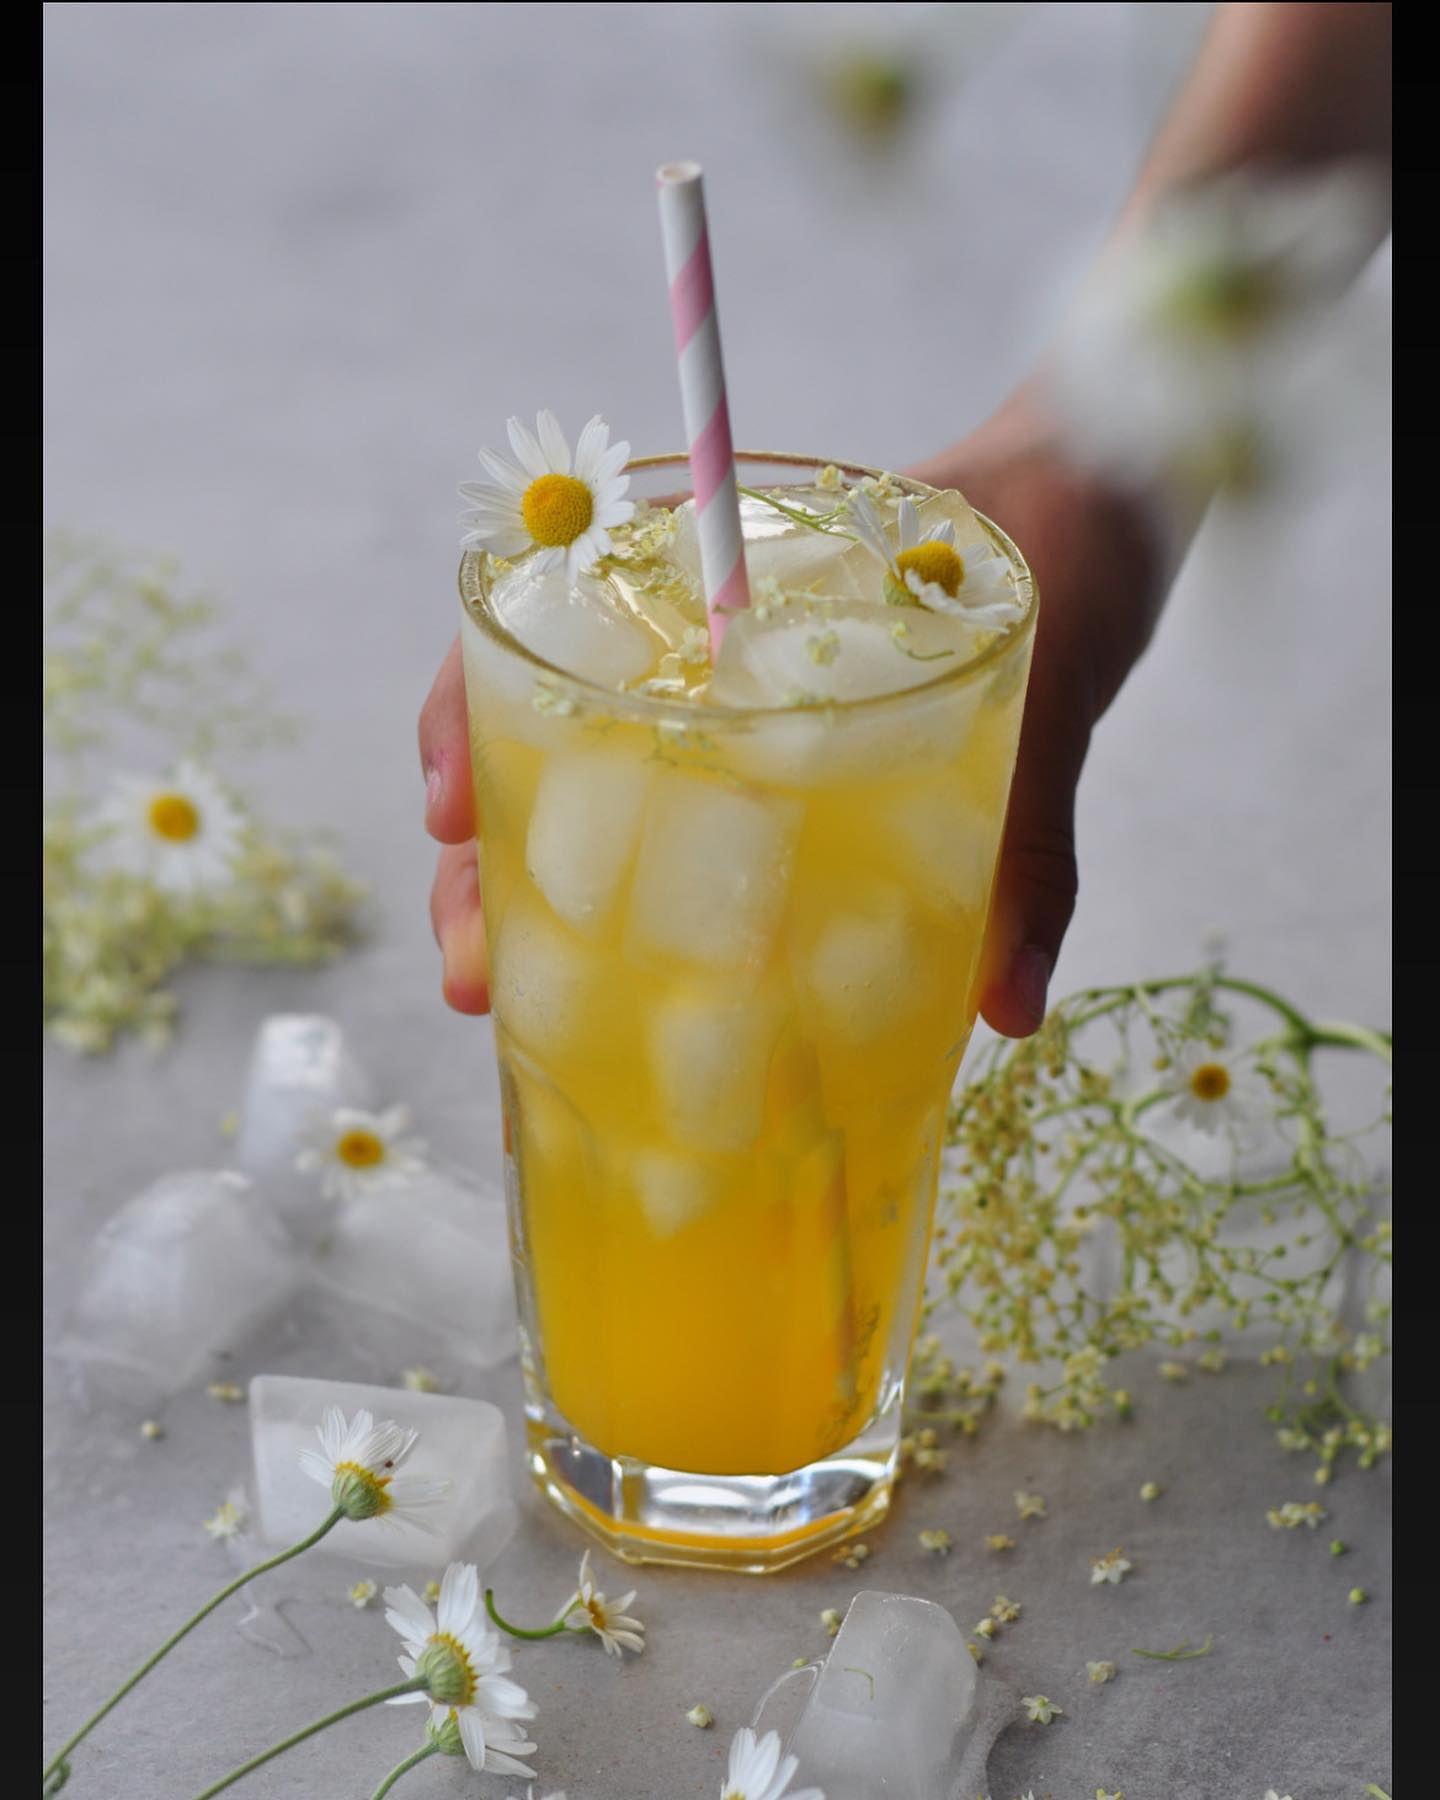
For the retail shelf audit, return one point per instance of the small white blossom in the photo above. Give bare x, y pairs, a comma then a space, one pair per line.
358, 1463
1101, 1671
588, 1610
1029, 1506
1040, 1709
362, 1593
229, 1519
183, 835
1112, 1568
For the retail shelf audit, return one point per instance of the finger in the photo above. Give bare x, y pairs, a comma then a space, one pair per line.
460, 929
1037, 881
445, 755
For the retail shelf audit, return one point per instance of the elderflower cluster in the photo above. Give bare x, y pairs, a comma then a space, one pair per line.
1127, 1118
142, 874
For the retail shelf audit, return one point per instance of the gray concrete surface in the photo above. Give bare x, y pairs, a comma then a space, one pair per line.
301, 261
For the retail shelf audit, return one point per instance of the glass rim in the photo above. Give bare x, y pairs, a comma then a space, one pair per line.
619, 703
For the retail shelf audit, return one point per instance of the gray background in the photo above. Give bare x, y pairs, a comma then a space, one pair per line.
301, 260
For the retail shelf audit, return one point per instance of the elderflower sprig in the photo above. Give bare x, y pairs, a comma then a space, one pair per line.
143, 874
1063, 1136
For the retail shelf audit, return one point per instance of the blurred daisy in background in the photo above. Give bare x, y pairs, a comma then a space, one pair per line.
183, 835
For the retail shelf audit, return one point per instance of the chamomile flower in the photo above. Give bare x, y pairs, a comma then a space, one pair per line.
758, 1771
183, 834
464, 1665
357, 1462
972, 584
589, 1610
1213, 1090
558, 509
356, 1152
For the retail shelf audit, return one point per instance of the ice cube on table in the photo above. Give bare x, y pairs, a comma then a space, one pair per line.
802, 558
181, 1273
578, 628
433, 1255
462, 1441
583, 831
712, 875
898, 1711
710, 1051
300, 1071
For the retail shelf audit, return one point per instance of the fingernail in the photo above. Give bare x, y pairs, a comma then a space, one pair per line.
1030, 978
434, 781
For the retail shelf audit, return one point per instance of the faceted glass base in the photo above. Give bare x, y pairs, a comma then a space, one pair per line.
751, 1524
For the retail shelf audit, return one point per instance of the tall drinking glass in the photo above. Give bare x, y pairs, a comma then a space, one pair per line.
735, 958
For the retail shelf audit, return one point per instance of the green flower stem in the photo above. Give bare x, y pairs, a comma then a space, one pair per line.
546, 1631
402, 1768
415, 1686
184, 1631
817, 521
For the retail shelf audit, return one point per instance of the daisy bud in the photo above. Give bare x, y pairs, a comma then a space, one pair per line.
444, 1734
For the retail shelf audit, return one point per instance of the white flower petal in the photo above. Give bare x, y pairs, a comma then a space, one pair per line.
528, 453
552, 442
590, 449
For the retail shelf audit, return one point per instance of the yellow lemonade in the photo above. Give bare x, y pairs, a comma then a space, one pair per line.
735, 951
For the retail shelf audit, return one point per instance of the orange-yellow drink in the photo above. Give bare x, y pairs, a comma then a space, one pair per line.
735, 917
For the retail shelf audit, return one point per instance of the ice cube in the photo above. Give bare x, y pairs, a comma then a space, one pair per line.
948, 843
713, 872
674, 1191
462, 1441
798, 653
866, 970
898, 1710
577, 628
300, 1071
541, 979
434, 1254
710, 1053
802, 558
583, 831
184, 1271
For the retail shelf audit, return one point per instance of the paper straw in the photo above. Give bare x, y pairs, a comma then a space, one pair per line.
702, 393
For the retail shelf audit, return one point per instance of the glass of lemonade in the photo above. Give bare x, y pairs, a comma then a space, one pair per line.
735, 919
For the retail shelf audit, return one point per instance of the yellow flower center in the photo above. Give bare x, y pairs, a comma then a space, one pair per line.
360, 1149
556, 509
174, 818
1211, 1081
934, 561
1225, 300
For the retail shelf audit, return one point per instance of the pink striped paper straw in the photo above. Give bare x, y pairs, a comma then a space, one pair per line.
702, 393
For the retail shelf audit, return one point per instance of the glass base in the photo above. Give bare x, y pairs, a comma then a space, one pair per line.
751, 1524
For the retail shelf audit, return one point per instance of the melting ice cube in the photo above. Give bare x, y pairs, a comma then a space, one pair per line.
542, 980
867, 971
802, 558
433, 1255
583, 832
461, 1441
712, 876
674, 1191
796, 654
900, 1710
182, 1272
300, 1070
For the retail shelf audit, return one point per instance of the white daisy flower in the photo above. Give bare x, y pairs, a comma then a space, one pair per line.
464, 1662
356, 1152
588, 1610
358, 1463
1212, 1090
561, 513
183, 835
973, 584
757, 1771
